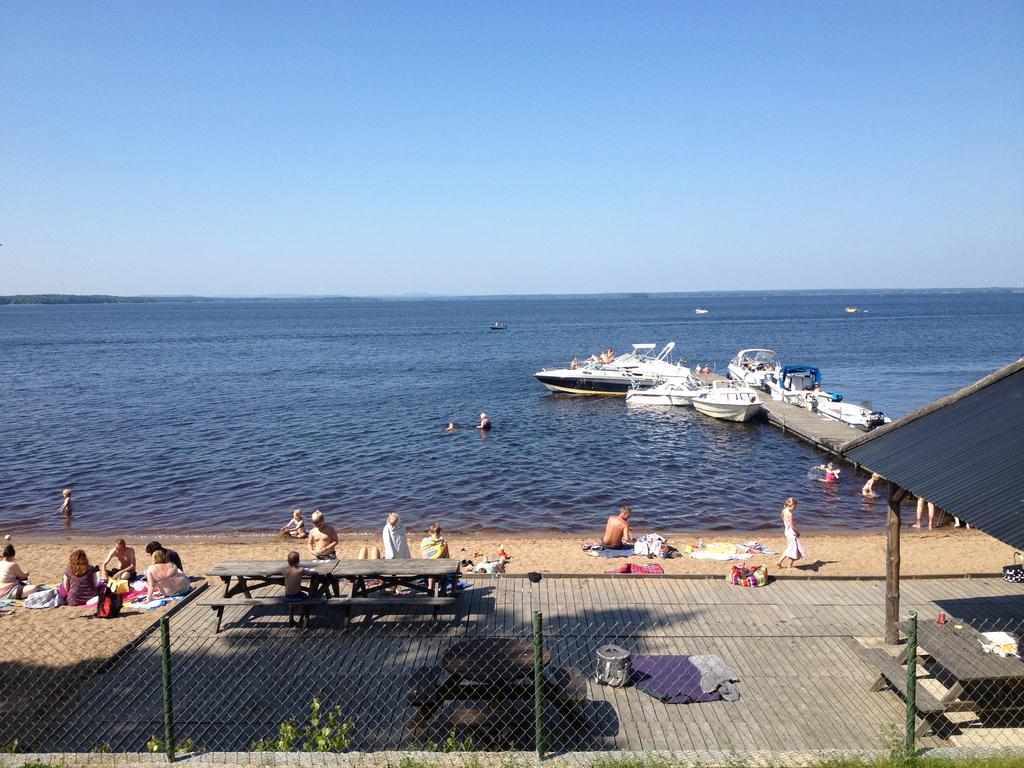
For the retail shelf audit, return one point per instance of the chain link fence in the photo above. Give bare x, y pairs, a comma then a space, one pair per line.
565, 684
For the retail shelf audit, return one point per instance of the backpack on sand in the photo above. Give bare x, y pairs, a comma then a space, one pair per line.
109, 604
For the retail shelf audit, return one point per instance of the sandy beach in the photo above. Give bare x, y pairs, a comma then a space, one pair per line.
925, 553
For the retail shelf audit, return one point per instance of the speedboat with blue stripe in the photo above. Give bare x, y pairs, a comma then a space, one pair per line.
640, 366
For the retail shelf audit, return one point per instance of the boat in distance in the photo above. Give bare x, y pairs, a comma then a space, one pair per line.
729, 401
701, 311
638, 366
752, 366
499, 326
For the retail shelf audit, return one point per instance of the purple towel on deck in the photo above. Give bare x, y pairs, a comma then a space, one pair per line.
671, 679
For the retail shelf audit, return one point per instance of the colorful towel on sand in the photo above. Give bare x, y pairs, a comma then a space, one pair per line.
624, 551
638, 568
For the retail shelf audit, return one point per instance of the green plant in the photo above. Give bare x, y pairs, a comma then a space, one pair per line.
451, 743
323, 733
102, 749
156, 744
10, 747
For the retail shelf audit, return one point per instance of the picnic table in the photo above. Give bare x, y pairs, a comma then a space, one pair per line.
975, 681
255, 574
493, 670
369, 576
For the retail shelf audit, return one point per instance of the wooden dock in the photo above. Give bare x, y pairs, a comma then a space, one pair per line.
826, 434
804, 685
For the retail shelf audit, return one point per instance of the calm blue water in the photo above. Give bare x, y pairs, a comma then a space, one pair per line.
223, 416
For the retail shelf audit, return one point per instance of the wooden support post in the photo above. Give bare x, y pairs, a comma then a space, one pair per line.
892, 565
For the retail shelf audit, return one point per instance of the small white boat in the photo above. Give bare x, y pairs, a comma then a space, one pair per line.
851, 310
675, 392
499, 326
701, 311
794, 384
729, 401
751, 366
861, 417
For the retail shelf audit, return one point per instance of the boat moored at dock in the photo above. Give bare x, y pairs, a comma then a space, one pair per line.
729, 401
640, 366
751, 366
676, 392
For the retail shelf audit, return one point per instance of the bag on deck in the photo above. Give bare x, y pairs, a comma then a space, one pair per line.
109, 603
748, 577
1014, 573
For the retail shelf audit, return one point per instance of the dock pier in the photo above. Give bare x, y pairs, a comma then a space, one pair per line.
823, 433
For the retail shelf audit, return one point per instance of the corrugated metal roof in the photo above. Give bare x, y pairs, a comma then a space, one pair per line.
965, 453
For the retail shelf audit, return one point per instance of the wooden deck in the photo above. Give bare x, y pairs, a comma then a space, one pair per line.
804, 685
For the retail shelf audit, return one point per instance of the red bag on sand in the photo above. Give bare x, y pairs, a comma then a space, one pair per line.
109, 604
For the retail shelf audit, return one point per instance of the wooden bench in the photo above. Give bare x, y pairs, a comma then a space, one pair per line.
388, 604
891, 674
218, 604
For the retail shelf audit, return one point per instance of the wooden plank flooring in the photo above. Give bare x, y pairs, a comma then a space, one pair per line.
804, 686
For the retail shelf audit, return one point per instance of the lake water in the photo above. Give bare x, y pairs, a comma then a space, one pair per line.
223, 416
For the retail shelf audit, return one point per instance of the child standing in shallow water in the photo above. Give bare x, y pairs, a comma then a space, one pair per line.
65, 508
794, 549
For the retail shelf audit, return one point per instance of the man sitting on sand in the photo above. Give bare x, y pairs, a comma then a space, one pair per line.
617, 532
323, 539
124, 562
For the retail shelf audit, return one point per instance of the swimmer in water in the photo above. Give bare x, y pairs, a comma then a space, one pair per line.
485, 423
450, 427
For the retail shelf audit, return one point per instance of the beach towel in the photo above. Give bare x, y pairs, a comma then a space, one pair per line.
702, 554
685, 679
638, 568
756, 546
623, 551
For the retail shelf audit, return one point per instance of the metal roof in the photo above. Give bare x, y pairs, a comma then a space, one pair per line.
964, 453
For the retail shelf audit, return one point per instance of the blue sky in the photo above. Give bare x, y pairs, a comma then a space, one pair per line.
495, 147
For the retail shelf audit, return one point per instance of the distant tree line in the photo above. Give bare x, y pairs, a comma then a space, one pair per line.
65, 298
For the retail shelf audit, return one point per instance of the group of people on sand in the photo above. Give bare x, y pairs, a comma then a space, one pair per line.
618, 533
81, 581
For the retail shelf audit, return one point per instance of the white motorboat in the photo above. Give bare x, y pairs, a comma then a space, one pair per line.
795, 384
701, 311
862, 417
851, 310
676, 392
751, 366
729, 401
640, 366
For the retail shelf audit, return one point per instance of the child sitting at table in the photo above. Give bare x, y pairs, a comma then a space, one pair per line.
293, 579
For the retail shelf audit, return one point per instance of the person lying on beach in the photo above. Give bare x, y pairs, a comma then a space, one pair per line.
617, 532
164, 579
124, 559
65, 508
14, 582
323, 539
485, 423
296, 527
293, 579
170, 554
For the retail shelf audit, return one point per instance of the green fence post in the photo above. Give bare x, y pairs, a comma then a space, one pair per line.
911, 683
165, 657
538, 681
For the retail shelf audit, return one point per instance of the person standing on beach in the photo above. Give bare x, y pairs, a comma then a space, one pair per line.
921, 504
396, 545
794, 549
323, 539
617, 532
65, 508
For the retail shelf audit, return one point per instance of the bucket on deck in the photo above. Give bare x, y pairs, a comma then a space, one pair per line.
613, 666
